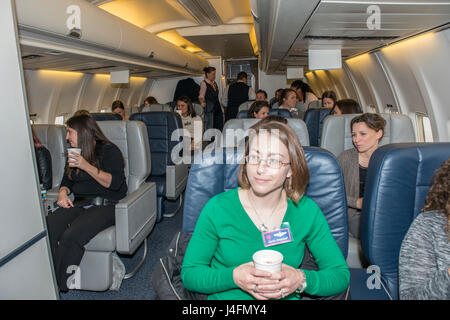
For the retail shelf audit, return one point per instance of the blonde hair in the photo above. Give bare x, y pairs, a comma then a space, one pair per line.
295, 185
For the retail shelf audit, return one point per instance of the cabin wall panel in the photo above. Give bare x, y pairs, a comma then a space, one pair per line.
419, 70
271, 83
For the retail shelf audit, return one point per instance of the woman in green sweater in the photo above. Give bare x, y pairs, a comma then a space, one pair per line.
230, 229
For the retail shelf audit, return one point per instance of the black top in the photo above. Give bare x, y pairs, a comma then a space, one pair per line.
44, 165
237, 94
362, 180
83, 185
212, 97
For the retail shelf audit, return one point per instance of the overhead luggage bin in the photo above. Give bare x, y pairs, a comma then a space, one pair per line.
84, 24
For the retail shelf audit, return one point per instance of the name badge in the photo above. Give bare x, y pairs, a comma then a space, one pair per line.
277, 237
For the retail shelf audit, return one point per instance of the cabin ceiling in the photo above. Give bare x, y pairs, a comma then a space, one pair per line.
285, 29
279, 31
332, 24
207, 27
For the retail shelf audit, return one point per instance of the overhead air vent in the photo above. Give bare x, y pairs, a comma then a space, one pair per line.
31, 56
202, 11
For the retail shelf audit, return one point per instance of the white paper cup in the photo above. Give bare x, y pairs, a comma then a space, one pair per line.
73, 150
268, 260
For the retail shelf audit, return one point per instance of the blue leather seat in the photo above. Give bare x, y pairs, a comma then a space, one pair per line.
314, 121
106, 116
326, 187
279, 112
160, 126
397, 183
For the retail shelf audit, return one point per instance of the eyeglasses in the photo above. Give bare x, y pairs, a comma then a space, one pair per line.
273, 163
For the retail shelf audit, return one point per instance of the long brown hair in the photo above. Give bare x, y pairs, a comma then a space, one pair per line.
295, 185
89, 135
438, 198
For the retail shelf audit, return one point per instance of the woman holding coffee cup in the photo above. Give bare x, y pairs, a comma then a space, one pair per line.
268, 211
95, 176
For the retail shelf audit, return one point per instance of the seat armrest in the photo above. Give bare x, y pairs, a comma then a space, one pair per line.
135, 218
176, 180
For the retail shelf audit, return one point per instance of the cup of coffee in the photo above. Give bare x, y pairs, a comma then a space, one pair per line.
73, 150
268, 260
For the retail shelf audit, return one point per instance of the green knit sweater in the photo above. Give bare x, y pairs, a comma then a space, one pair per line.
225, 237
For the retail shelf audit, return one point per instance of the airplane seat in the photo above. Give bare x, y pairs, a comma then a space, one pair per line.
337, 136
105, 116
170, 178
280, 112
397, 183
218, 172
315, 104
235, 131
198, 109
245, 105
314, 118
157, 107
135, 214
53, 137
242, 115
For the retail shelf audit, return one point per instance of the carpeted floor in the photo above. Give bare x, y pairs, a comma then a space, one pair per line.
138, 287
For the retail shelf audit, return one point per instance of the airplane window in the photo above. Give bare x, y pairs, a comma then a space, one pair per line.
103, 110
424, 128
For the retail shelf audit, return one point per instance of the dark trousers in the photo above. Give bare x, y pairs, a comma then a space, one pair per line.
70, 230
218, 118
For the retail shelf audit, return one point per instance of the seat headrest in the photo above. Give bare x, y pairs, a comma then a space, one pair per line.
239, 129
245, 105
314, 119
157, 107
198, 109
106, 116
210, 176
53, 137
337, 135
160, 126
397, 183
132, 140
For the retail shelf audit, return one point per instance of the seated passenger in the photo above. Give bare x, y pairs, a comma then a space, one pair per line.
81, 112
367, 131
97, 180
305, 95
44, 162
259, 110
230, 229
328, 99
289, 102
276, 99
261, 95
424, 261
118, 107
149, 101
190, 120
346, 106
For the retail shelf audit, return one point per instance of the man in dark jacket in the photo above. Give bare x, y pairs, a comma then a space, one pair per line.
235, 94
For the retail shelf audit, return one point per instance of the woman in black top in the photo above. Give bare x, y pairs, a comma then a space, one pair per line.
97, 180
209, 100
